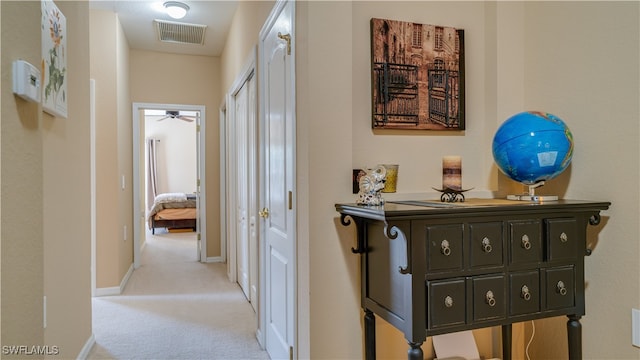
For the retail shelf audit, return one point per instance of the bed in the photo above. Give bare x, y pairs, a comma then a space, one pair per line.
173, 211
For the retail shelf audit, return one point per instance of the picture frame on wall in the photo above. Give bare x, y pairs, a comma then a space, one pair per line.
54, 60
417, 76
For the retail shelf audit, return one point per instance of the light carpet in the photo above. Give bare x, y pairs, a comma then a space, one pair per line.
174, 307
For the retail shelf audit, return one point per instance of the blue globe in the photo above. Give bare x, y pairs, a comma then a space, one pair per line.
532, 146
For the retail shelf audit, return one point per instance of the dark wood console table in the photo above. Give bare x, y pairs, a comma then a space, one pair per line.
431, 268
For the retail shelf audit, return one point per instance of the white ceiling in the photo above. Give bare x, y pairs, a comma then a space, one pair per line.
136, 17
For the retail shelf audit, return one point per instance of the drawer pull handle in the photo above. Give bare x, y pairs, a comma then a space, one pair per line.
526, 244
562, 290
448, 301
486, 245
491, 300
444, 248
563, 237
525, 294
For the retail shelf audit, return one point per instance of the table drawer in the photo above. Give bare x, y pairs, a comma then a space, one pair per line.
446, 302
524, 292
486, 244
560, 287
562, 235
489, 298
444, 247
525, 241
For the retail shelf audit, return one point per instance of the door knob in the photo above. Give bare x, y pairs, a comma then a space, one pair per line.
264, 213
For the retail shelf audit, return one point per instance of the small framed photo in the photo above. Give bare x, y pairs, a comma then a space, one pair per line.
355, 179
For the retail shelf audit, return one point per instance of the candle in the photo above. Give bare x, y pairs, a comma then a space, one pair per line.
452, 173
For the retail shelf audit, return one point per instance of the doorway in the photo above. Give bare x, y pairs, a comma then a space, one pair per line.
172, 112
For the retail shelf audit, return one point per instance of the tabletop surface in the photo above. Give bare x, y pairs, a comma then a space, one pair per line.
403, 208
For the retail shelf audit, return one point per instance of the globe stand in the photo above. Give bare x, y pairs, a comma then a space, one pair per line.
531, 196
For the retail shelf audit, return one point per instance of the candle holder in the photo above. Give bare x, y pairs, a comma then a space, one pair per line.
451, 195
391, 180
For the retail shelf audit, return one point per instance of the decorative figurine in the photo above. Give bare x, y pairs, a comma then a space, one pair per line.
371, 184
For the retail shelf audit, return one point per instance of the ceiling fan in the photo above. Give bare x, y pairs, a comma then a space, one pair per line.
176, 115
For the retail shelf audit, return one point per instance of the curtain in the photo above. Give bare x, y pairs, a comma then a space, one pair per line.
151, 172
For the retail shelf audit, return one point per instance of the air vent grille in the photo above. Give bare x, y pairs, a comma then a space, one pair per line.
183, 33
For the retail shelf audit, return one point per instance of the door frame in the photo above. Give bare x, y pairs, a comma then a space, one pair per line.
92, 151
138, 212
222, 127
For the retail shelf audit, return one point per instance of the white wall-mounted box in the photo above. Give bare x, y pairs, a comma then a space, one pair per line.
26, 81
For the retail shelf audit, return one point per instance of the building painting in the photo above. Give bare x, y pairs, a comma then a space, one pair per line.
417, 76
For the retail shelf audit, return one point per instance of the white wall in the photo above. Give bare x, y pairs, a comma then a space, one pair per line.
587, 71
176, 153
420, 153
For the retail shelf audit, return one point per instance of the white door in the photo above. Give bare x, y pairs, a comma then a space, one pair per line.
242, 189
252, 157
278, 180
240, 184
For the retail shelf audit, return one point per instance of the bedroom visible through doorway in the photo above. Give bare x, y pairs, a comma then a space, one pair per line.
168, 176
170, 164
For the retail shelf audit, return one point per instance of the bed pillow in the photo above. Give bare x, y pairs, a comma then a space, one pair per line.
171, 197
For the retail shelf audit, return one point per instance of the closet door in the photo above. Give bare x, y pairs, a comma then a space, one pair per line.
242, 189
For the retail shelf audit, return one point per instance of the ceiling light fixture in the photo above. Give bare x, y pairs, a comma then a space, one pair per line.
175, 9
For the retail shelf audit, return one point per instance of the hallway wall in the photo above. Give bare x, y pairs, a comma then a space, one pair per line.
186, 79
109, 54
22, 229
45, 207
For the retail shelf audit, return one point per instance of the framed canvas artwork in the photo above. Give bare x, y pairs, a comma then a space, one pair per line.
417, 76
54, 60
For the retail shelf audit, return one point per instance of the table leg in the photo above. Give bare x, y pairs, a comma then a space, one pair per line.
369, 335
506, 342
574, 333
415, 352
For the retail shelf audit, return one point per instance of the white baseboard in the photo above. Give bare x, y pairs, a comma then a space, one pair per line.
260, 338
115, 290
214, 259
110, 291
86, 349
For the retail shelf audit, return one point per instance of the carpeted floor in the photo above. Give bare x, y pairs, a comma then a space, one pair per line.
174, 307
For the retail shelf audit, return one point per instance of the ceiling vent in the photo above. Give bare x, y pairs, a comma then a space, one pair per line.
182, 33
